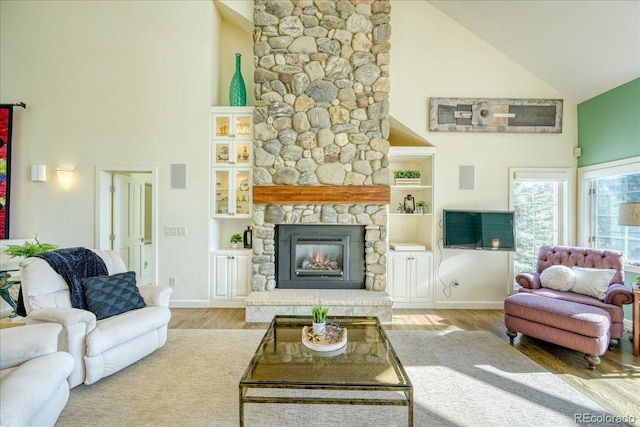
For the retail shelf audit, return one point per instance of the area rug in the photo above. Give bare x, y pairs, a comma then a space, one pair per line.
460, 378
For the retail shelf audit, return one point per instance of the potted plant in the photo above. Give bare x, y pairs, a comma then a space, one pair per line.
235, 240
422, 206
319, 314
407, 177
28, 249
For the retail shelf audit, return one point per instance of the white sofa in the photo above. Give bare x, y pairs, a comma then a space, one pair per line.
33, 375
99, 347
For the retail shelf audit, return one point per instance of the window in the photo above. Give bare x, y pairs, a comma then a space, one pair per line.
540, 199
604, 187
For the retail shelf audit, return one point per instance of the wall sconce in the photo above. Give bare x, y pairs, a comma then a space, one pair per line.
65, 175
629, 214
38, 173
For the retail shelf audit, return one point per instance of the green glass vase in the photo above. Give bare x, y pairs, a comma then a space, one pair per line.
237, 90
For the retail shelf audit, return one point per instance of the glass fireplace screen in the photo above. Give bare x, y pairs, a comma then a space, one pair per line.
315, 259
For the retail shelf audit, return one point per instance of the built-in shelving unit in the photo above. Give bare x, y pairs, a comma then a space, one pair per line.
410, 272
231, 203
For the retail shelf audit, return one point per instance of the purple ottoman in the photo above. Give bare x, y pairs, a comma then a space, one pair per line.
573, 325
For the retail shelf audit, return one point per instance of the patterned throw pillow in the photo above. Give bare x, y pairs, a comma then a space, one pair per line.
110, 295
558, 277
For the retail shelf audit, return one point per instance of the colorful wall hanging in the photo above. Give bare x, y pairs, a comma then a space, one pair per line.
6, 123
6, 119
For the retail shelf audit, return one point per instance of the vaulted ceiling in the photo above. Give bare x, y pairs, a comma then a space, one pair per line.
580, 47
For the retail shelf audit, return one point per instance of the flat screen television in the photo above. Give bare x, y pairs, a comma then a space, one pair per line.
488, 230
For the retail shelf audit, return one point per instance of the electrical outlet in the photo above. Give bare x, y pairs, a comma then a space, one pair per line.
181, 231
172, 281
454, 282
170, 231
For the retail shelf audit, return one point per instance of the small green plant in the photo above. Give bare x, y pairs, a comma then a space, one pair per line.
319, 313
406, 174
236, 238
28, 249
421, 203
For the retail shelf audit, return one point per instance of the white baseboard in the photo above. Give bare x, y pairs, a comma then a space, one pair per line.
470, 305
185, 303
188, 303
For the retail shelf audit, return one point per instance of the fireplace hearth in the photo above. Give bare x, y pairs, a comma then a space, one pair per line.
320, 257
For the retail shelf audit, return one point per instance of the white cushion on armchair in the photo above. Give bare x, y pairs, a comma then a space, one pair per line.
102, 347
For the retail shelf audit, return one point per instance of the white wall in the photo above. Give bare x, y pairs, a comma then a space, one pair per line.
433, 56
112, 83
130, 84
235, 40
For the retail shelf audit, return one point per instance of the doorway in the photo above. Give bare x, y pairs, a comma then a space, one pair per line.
127, 217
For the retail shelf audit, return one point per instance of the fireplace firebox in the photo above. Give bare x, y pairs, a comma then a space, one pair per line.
320, 256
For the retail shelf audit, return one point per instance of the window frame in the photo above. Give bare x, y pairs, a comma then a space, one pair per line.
564, 176
585, 175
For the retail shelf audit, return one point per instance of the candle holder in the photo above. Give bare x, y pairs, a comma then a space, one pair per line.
409, 204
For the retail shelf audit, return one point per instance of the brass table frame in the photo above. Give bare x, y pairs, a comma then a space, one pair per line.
288, 324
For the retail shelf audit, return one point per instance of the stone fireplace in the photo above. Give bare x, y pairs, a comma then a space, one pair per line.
321, 126
319, 257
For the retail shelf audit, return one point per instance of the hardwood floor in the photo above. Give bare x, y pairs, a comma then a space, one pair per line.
614, 384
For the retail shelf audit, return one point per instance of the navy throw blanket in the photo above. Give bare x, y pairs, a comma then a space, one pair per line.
74, 264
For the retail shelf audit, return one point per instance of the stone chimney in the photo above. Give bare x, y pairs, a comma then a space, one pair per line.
321, 124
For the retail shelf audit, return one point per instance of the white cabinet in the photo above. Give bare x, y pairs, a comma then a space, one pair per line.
231, 165
231, 192
231, 161
410, 279
231, 277
231, 136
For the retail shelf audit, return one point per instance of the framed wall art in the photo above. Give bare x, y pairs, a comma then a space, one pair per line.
495, 115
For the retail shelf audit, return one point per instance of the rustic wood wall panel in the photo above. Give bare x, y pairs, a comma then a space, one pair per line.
495, 115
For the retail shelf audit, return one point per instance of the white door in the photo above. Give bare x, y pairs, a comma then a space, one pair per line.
222, 273
421, 270
243, 266
399, 277
128, 221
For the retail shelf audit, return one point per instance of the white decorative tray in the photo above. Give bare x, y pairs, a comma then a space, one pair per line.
322, 344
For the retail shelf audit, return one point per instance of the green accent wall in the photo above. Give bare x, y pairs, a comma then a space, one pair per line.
609, 125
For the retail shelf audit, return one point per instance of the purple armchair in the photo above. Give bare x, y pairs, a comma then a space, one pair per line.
617, 294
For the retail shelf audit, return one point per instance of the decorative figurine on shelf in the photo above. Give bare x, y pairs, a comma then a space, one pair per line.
247, 238
409, 204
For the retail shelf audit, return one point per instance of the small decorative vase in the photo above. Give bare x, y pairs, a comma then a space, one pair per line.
235, 245
237, 90
319, 328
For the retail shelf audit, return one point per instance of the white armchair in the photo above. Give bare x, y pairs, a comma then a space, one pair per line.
33, 375
99, 347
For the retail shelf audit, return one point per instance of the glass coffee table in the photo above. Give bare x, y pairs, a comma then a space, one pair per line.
366, 371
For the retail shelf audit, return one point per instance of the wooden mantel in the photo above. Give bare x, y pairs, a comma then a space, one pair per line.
321, 194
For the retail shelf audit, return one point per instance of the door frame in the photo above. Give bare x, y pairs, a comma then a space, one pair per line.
104, 208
